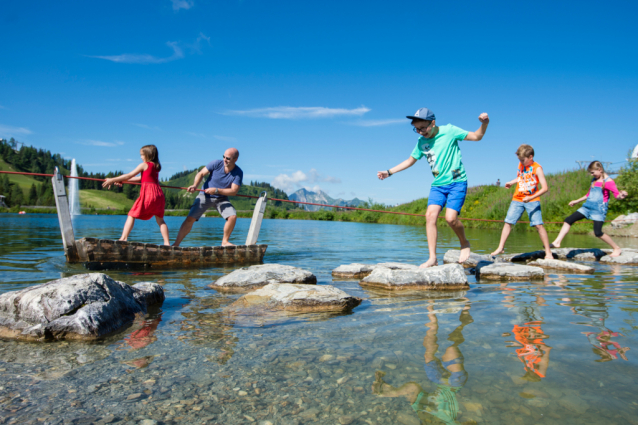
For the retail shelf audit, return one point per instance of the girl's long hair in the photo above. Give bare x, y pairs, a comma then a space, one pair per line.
151, 155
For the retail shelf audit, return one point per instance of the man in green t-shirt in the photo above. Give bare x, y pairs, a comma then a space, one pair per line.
439, 145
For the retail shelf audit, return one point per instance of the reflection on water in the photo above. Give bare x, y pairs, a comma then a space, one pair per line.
476, 356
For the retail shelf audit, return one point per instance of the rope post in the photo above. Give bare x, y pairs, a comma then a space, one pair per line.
258, 216
64, 216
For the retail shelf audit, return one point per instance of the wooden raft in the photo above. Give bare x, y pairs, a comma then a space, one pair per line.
100, 254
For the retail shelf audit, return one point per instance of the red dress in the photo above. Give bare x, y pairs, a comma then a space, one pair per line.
151, 201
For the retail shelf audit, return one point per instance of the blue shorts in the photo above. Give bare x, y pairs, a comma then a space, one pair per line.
452, 194
516, 210
438, 373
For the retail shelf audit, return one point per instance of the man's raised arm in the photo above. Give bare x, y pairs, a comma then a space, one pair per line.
475, 136
198, 178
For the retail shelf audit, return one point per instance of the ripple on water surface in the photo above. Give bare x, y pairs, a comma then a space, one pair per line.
558, 351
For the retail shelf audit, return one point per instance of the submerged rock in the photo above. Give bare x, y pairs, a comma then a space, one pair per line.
85, 306
452, 256
358, 270
291, 297
447, 277
626, 257
561, 265
507, 271
255, 277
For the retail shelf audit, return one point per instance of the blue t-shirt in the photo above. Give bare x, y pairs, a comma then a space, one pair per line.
218, 178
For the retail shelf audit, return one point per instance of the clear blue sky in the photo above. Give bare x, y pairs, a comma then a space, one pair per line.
314, 94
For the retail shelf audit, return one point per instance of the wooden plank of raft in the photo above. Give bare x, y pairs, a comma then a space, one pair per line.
106, 253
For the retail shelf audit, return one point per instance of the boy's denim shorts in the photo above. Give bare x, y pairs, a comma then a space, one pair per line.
452, 194
516, 210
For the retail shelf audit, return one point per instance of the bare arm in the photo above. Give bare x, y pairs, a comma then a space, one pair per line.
511, 183
404, 165
125, 177
577, 201
232, 191
475, 136
198, 178
543, 184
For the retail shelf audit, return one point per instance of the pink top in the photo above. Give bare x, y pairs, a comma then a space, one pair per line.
151, 174
610, 186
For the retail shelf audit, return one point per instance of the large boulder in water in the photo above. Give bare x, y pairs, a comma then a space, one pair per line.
507, 271
452, 257
298, 298
562, 265
85, 306
358, 270
448, 277
254, 277
627, 256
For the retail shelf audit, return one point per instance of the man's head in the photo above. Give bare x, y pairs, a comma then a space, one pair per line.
525, 154
423, 121
230, 157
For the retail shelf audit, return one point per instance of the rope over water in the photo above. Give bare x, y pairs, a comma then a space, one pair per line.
280, 200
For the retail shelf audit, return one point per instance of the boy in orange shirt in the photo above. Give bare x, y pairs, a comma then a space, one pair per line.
526, 198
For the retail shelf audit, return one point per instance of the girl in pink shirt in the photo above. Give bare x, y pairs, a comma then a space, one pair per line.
595, 206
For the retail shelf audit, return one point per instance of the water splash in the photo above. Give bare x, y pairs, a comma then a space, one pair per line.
74, 191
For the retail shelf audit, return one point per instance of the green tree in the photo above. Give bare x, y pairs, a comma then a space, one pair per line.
33, 195
627, 180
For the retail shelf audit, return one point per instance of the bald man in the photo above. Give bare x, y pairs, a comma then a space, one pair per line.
224, 179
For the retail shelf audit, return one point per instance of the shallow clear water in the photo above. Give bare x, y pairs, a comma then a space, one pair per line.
556, 352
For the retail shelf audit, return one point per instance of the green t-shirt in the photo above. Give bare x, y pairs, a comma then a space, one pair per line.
443, 154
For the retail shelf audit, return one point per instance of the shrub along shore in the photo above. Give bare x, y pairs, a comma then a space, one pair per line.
483, 202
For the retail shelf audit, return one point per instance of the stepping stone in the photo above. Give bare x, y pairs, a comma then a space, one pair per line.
81, 307
298, 298
258, 276
453, 255
581, 254
507, 271
627, 257
561, 265
358, 271
448, 277
522, 257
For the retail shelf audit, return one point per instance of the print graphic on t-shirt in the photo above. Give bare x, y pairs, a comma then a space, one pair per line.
527, 181
431, 158
456, 173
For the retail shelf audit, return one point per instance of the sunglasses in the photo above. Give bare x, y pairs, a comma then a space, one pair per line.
225, 157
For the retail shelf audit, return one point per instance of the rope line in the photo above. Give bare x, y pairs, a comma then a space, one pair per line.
279, 200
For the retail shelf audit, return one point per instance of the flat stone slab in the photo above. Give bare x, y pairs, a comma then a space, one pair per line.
627, 257
298, 298
522, 257
452, 256
508, 271
254, 277
561, 265
358, 270
84, 307
449, 277
581, 254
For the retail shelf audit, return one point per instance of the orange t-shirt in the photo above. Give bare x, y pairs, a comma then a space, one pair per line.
527, 182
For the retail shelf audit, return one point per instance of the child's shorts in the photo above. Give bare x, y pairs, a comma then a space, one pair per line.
516, 210
452, 194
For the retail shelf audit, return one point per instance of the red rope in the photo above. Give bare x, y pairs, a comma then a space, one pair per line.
276, 199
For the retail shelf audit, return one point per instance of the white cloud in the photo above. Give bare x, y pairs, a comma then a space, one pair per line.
100, 143
182, 4
144, 58
291, 113
291, 182
377, 123
148, 127
6, 130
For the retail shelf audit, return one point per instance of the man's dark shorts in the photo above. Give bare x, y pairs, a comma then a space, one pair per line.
203, 203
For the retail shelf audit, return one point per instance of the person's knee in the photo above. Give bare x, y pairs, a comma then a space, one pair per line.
431, 216
190, 220
232, 218
452, 220
598, 233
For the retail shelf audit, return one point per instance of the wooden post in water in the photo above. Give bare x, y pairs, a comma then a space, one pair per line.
64, 216
258, 216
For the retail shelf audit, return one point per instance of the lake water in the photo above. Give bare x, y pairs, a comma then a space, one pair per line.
562, 351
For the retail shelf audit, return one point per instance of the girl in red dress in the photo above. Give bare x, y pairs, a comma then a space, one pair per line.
151, 201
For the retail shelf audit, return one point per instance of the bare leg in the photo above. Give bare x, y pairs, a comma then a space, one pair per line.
561, 235
431, 214
545, 239
128, 226
184, 230
163, 229
507, 228
451, 216
228, 229
611, 243
409, 390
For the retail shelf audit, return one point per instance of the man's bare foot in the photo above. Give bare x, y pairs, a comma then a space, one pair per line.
227, 244
465, 254
616, 252
498, 251
554, 245
549, 257
431, 262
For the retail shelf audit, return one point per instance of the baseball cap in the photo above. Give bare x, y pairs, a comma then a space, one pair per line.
422, 114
